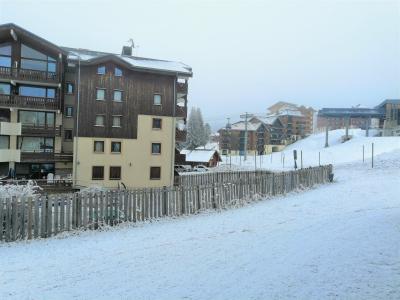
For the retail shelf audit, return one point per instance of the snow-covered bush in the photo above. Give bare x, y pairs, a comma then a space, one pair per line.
20, 190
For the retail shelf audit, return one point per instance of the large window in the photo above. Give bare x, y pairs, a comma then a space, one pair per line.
156, 148
117, 72
69, 88
5, 89
97, 173
155, 173
34, 91
100, 94
36, 118
35, 144
98, 146
115, 173
4, 142
5, 55
34, 60
117, 96
116, 121
69, 111
157, 99
115, 147
100, 120
101, 70
157, 123
68, 134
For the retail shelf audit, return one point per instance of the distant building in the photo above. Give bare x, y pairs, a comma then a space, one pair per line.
205, 157
298, 121
391, 123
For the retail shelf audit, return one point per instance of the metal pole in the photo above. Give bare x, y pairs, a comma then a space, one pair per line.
255, 160
301, 158
283, 161
77, 122
245, 137
326, 137
319, 158
363, 154
372, 161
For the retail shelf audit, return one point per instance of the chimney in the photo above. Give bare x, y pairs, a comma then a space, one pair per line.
127, 50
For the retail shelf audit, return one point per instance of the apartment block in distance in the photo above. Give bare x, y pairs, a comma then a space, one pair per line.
101, 118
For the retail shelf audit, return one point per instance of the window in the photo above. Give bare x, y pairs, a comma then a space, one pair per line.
5, 89
157, 123
69, 111
36, 118
157, 99
117, 72
115, 173
33, 91
4, 142
100, 120
98, 146
116, 147
116, 121
155, 173
70, 88
68, 134
35, 60
101, 70
117, 96
156, 148
100, 94
5, 55
35, 144
97, 173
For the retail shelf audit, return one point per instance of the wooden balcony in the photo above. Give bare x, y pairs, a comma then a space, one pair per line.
45, 156
29, 75
41, 130
29, 102
181, 111
180, 135
181, 88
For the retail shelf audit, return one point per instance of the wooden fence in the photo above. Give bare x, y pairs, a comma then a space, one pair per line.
28, 218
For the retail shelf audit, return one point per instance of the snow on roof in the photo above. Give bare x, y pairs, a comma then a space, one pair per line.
199, 155
289, 112
209, 146
133, 61
241, 126
269, 120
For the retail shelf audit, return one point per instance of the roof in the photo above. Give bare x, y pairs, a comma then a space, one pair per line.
241, 126
351, 112
268, 120
199, 155
19, 31
142, 63
388, 101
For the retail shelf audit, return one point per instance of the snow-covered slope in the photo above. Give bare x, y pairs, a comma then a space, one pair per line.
338, 241
314, 151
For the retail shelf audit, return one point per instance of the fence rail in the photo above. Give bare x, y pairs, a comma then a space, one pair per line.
28, 218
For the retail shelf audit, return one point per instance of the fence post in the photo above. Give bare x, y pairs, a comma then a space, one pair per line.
164, 201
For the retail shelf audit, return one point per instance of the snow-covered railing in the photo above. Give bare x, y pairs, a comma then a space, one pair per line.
28, 217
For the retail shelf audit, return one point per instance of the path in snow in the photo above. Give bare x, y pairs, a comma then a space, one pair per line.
337, 241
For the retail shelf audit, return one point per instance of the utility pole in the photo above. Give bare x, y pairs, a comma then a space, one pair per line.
245, 116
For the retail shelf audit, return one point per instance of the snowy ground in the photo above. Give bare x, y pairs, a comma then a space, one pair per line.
314, 151
336, 241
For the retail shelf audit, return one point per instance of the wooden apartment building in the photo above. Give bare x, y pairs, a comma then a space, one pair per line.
101, 118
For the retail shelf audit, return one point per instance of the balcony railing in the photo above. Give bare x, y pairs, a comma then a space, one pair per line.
180, 135
45, 156
181, 87
29, 102
181, 111
41, 130
29, 75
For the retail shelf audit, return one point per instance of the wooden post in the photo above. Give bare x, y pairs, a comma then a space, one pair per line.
363, 153
319, 158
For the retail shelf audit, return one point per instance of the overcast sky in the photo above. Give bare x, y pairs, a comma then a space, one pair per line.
245, 55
